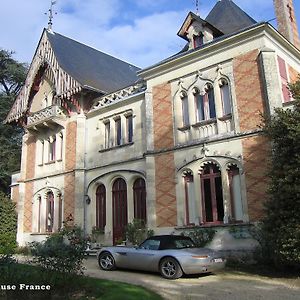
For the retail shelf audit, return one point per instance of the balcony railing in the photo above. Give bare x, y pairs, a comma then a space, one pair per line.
45, 117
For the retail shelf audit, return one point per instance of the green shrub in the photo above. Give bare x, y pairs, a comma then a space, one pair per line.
137, 232
8, 225
281, 228
200, 236
62, 252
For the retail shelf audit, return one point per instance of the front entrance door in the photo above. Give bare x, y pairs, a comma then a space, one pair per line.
119, 195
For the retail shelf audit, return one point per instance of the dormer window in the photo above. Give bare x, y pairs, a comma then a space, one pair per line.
198, 40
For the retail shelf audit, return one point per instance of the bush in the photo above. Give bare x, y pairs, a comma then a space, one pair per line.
137, 232
200, 236
281, 227
62, 252
8, 225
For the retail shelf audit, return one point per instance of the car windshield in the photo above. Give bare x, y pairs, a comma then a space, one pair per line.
180, 243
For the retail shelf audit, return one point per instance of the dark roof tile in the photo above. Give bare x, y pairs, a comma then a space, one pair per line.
91, 67
228, 17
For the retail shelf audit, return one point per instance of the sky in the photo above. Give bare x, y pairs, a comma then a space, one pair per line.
141, 32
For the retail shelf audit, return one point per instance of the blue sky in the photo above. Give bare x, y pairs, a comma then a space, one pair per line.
141, 32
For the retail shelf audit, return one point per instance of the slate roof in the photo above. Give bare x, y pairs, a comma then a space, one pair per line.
228, 17
90, 67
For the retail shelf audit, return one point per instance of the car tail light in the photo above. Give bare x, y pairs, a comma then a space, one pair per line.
200, 256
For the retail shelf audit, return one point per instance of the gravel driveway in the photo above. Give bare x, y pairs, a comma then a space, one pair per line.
223, 286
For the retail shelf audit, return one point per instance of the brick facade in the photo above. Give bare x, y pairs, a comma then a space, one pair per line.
249, 90
70, 156
166, 207
29, 174
286, 20
293, 74
69, 196
70, 164
256, 150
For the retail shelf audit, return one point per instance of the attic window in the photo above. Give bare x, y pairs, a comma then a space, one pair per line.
198, 40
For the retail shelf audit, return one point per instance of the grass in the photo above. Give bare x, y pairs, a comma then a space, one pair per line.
67, 287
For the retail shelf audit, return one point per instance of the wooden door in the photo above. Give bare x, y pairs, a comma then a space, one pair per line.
119, 196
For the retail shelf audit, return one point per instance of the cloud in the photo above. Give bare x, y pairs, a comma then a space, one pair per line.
142, 32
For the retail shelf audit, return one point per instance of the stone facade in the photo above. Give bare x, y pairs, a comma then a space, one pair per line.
183, 147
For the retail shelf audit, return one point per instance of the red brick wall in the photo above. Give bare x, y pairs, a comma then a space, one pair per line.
27, 223
163, 117
29, 174
293, 74
69, 196
166, 207
249, 91
286, 20
70, 164
70, 156
256, 151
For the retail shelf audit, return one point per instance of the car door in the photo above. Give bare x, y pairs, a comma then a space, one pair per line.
145, 257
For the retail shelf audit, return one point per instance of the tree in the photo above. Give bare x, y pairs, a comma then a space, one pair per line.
12, 77
282, 223
8, 225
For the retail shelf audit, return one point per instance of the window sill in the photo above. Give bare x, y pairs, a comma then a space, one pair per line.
212, 225
115, 147
288, 103
41, 233
50, 162
225, 118
184, 128
205, 122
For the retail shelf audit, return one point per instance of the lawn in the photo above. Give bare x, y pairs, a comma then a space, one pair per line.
65, 287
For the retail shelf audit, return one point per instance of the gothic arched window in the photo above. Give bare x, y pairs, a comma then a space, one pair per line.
139, 197
101, 207
212, 194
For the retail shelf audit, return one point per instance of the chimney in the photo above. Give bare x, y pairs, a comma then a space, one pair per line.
286, 21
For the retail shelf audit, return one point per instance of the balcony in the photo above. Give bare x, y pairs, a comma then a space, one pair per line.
47, 118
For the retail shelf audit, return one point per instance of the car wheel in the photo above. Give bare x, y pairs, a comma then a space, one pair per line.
106, 261
170, 268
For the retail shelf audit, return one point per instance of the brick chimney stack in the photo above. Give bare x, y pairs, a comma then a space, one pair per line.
286, 20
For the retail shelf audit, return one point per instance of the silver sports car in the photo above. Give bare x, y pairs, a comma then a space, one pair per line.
171, 255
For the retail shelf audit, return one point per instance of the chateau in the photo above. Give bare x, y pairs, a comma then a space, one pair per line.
176, 144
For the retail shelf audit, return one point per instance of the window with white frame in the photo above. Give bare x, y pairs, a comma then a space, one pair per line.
225, 97
107, 134
205, 104
190, 199
118, 132
51, 148
129, 127
185, 109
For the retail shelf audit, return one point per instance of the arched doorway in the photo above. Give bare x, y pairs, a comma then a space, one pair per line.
101, 207
139, 197
119, 196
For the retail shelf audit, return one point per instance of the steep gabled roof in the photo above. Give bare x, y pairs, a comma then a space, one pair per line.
90, 67
228, 17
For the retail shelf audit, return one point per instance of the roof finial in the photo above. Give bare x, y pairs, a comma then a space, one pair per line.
197, 7
50, 15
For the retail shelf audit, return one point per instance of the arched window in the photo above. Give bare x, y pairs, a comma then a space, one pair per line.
49, 212
139, 197
235, 193
101, 207
119, 196
52, 149
185, 110
205, 104
190, 201
212, 194
39, 216
225, 96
